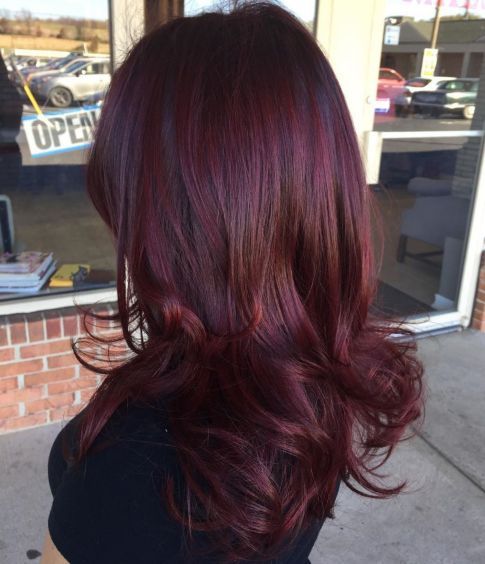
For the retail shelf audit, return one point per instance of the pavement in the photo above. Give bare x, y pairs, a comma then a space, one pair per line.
439, 520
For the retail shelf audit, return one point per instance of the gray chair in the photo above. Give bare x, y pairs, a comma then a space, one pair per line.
435, 215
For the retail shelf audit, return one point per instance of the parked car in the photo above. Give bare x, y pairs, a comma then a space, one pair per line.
382, 104
453, 96
390, 83
66, 64
418, 83
85, 81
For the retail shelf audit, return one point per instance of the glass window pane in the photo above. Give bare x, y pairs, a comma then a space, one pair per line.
425, 192
432, 130
54, 71
458, 56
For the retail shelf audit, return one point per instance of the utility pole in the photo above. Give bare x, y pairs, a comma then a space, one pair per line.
436, 25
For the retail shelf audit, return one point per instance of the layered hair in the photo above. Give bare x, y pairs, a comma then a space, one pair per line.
226, 166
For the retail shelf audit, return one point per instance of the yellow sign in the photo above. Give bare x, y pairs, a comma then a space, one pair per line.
430, 58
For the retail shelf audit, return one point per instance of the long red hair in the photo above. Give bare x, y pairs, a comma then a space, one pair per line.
227, 168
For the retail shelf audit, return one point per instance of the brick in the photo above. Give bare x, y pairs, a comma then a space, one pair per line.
49, 402
477, 316
99, 325
21, 367
3, 334
478, 324
479, 310
68, 412
8, 384
87, 394
7, 354
18, 329
12, 397
62, 360
45, 349
110, 334
53, 326
70, 325
35, 327
7, 411
83, 371
23, 422
49, 376
71, 385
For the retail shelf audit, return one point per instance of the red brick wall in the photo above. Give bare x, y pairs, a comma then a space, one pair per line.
478, 319
40, 379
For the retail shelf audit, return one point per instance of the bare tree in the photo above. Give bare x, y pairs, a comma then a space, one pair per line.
26, 17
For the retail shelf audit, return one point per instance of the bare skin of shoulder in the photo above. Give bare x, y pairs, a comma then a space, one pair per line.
50, 554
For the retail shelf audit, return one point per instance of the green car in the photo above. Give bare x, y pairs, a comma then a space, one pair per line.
456, 96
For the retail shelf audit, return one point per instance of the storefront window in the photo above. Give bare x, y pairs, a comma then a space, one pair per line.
54, 71
430, 67
429, 113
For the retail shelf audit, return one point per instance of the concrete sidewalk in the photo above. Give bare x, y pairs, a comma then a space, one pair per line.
440, 520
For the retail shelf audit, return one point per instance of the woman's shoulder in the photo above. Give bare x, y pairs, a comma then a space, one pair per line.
135, 427
114, 490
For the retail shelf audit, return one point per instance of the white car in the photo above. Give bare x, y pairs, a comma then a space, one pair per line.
418, 83
84, 81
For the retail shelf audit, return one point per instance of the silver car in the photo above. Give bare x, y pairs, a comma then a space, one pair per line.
402, 103
83, 81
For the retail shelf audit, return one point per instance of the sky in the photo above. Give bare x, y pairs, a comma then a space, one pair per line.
90, 9
98, 9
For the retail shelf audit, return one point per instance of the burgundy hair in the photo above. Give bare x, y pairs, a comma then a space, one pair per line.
227, 168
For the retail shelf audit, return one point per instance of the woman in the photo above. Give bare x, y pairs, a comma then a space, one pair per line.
227, 169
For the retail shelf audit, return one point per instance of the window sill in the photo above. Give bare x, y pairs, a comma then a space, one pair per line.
69, 299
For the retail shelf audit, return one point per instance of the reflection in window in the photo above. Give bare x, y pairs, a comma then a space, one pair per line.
457, 65
425, 194
432, 125
54, 72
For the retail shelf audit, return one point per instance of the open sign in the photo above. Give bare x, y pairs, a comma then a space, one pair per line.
60, 132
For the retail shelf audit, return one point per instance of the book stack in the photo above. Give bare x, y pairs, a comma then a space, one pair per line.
25, 272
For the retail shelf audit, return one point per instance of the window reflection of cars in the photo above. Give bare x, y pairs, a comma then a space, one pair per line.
416, 84
390, 83
66, 64
453, 96
86, 81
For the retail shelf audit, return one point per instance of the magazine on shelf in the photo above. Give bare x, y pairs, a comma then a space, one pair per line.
11, 280
27, 264
29, 288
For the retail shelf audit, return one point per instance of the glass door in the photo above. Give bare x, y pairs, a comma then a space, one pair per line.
428, 129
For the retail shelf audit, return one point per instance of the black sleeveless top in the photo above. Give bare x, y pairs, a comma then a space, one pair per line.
109, 509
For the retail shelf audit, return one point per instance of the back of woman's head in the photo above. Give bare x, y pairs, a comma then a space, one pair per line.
226, 166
